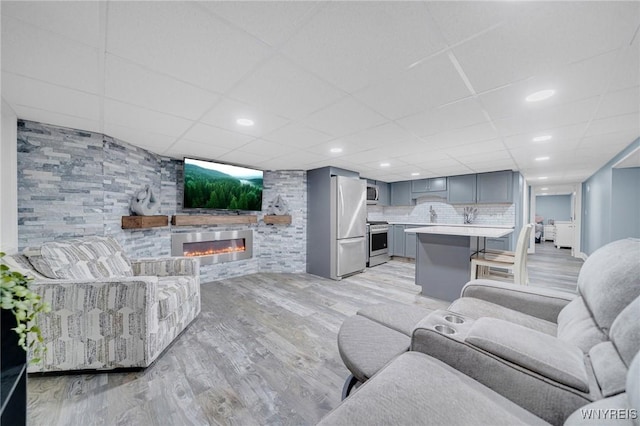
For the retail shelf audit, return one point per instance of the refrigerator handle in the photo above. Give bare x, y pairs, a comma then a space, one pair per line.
341, 195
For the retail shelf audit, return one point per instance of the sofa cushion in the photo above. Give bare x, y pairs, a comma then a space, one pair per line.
610, 279
87, 258
625, 332
173, 292
416, 389
396, 316
19, 263
366, 346
546, 355
477, 308
576, 325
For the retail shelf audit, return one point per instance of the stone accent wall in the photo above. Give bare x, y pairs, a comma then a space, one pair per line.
74, 183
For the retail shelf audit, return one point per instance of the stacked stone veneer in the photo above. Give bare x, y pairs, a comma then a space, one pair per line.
74, 183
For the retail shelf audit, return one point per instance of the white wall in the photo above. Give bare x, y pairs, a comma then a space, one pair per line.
8, 181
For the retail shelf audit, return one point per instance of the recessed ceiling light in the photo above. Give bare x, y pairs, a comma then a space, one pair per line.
542, 158
244, 122
385, 164
540, 96
415, 174
542, 178
542, 138
544, 189
336, 150
544, 193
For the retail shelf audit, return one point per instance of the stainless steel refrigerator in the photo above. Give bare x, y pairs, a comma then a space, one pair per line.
348, 226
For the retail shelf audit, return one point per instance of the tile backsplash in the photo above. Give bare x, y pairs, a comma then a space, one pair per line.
488, 214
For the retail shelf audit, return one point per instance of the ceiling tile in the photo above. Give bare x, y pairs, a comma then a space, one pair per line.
57, 119
545, 37
559, 136
135, 117
460, 169
460, 20
178, 39
189, 148
449, 117
293, 160
282, 87
78, 20
272, 22
297, 135
344, 118
41, 55
462, 136
491, 165
264, 148
215, 136
537, 119
620, 102
352, 44
23, 91
225, 114
388, 134
131, 83
619, 123
429, 84
154, 142
241, 158
572, 83
625, 74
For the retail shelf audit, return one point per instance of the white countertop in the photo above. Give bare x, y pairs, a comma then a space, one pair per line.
466, 225
465, 231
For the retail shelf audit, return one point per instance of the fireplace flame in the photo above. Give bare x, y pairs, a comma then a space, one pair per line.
212, 251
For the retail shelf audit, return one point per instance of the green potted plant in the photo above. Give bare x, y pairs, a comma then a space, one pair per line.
25, 305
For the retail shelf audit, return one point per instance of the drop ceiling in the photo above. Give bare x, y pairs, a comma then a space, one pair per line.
435, 88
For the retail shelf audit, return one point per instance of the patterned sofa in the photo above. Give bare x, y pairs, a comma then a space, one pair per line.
107, 311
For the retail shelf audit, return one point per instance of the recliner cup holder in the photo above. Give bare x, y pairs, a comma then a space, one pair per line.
454, 319
444, 329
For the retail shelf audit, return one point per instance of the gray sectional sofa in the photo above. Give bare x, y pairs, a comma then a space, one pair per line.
547, 352
107, 311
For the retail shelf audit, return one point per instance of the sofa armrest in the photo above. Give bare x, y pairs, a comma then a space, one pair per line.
85, 317
166, 266
540, 353
541, 303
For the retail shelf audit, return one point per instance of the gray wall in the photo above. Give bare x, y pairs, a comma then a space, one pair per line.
74, 183
557, 207
606, 203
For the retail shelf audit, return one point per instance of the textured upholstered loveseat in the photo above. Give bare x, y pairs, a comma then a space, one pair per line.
107, 311
548, 352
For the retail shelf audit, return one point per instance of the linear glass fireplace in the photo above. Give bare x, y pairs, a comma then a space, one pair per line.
214, 247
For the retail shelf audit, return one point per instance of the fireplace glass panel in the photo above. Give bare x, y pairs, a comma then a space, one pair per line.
210, 248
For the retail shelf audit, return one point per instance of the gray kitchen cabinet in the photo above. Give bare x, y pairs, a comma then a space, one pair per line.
383, 193
410, 243
503, 243
462, 189
390, 242
398, 240
495, 187
401, 194
429, 185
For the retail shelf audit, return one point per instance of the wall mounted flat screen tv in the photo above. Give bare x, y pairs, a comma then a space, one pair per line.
211, 185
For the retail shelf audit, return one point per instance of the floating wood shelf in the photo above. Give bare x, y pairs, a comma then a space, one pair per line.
139, 222
277, 219
190, 220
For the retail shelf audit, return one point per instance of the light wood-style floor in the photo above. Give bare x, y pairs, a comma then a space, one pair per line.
263, 351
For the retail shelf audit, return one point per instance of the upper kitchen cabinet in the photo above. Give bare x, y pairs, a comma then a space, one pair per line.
384, 193
495, 187
401, 194
462, 189
429, 185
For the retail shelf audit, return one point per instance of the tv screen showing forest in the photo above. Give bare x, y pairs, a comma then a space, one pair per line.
209, 185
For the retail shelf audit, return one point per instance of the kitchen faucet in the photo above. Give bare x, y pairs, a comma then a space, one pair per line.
433, 215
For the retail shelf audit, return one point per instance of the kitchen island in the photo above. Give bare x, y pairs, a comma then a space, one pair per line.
443, 256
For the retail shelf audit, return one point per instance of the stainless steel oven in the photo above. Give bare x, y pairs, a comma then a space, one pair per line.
378, 238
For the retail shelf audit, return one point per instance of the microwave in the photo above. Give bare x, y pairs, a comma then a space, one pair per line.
373, 194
